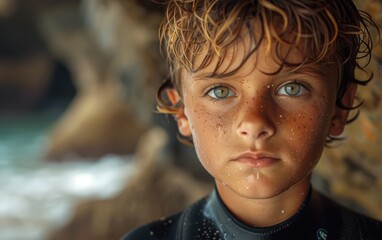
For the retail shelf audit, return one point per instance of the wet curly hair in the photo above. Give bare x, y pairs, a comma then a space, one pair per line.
324, 31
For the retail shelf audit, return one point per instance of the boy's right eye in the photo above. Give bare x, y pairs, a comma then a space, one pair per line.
220, 92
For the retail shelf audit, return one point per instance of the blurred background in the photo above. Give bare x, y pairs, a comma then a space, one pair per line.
83, 155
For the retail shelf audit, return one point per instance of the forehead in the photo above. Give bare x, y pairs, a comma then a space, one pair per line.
270, 57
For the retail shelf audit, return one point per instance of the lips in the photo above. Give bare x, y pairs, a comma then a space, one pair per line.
257, 159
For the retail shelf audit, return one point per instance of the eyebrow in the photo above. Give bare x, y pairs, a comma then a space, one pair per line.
207, 76
316, 70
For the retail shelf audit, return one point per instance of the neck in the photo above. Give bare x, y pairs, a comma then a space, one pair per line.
265, 212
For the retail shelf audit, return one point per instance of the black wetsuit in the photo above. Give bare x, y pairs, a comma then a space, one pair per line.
319, 218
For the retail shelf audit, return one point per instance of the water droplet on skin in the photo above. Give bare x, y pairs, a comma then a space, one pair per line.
220, 128
251, 178
257, 176
281, 116
225, 183
282, 211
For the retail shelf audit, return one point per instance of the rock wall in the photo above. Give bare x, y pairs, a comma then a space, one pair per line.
111, 47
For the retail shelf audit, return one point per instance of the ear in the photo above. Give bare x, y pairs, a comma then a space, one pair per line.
180, 117
341, 115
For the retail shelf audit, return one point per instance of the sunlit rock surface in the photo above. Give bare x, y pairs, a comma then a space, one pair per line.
97, 123
111, 47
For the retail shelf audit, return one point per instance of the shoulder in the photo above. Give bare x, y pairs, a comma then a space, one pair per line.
354, 223
369, 228
142, 232
164, 228
168, 228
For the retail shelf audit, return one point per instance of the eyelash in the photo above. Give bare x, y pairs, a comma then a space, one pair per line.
231, 93
301, 85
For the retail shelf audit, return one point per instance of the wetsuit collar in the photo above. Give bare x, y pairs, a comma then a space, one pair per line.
232, 228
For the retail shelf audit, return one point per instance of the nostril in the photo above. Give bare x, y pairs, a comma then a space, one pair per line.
263, 134
244, 133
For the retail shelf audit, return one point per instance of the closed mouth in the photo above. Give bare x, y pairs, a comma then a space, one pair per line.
257, 159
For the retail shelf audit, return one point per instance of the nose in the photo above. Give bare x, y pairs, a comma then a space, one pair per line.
255, 124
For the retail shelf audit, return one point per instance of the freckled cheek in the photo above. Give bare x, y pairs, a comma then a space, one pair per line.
204, 121
209, 132
198, 117
311, 127
203, 126
306, 131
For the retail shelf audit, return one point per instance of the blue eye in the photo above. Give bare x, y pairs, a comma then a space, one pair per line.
292, 89
220, 92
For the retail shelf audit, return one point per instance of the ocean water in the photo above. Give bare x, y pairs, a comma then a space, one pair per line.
37, 197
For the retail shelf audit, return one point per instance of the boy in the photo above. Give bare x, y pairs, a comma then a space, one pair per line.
259, 88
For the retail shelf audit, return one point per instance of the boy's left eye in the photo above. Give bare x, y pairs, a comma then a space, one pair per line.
220, 92
292, 89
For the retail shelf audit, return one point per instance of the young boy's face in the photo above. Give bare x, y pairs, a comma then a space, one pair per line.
259, 134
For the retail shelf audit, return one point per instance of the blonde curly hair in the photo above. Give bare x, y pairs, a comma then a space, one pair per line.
323, 30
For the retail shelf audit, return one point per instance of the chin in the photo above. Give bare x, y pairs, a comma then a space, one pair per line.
258, 191
256, 194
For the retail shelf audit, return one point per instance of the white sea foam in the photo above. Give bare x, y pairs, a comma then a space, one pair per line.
37, 197
32, 202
